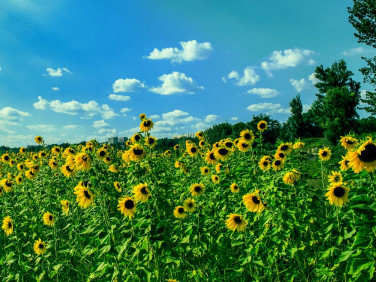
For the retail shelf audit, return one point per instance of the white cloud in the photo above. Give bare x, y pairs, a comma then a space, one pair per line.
249, 77
299, 85
153, 117
57, 72
285, 59
174, 83
107, 132
211, 118
313, 79
264, 92
306, 107
55, 88
201, 126
120, 98
269, 108
234, 118
353, 51
124, 110
127, 85
311, 62
70, 126
86, 110
11, 114
42, 127
191, 50
100, 124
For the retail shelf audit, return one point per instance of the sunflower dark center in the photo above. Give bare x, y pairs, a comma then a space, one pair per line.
197, 189
51, 217
151, 141
265, 163
6, 158
137, 137
144, 191
129, 204
206, 170
324, 154
346, 162
69, 169
247, 136
237, 219
255, 200
102, 153
138, 152
43, 154
193, 150
336, 179
41, 246
147, 123
21, 166
339, 192
369, 154
223, 151
190, 205
9, 224
244, 145
284, 148
87, 195
180, 210
277, 162
8, 183
349, 142
235, 187
108, 159
262, 125
211, 156
228, 144
281, 155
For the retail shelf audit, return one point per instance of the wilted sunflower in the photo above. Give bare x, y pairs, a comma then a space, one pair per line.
253, 203
48, 219
117, 186
137, 153
197, 189
205, 170
215, 179
344, 163
285, 148
222, 153
248, 136
82, 161
189, 205
348, 142
364, 158
335, 177
151, 141
210, 158
179, 212
39, 247
127, 206
243, 146
325, 154
84, 197
65, 206
236, 222
7, 225
146, 125
38, 139
234, 188
141, 192
262, 125
337, 194
278, 164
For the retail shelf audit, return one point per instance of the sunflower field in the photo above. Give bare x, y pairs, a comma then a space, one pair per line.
229, 211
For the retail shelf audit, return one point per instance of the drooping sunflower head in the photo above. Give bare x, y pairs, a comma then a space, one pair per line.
48, 219
197, 189
337, 194
146, 125
179, 212
344, 163
262, 125
200, 135
142, 116
364, 158
7, 225
127, 206
291, 177
335, 177
82, 161
248, 136
189, 205
68, 169
141, 192
253, 202
176, 147
236, 222
39, 247
38, 139
234, 188
325, 154
348, 142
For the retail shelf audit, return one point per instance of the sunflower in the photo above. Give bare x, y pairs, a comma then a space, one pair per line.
38, 139
7, 185
278, 164
200, 135
218, 167
107, 160
348, 142
39, 247
53, 164
298, 145
7, 225
285, 148
344, 163
210, 158
197, 189
19, 179
127, 206
176, 147
5, 158
146, 125
22, 150
113, 168
335, 177
205, 170
151, 141
84, 197
20, 167
65, 206
337, 194
325, 154
42, 154
262, 125
82, 161
234, 188
243, 146
101, 153
215, 179
141, 192
236, 222
167, 153
264, 163
117, 186
248, 136
228, 144
179, 212
30, 174
136, 137
253, 203
291, 177
192, 150
68, 170
48, 219
189, 205
142, 116
137, 153
222, 153
364, 158
201, 143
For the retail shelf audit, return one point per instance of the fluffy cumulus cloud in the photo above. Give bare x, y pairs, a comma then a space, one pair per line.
190, 51
41, 127
263, 92
85, 110
124, 110
234, 118
286, 59
312, 77
353, 51
100, 124
268, 108
299, 85
175, 83
211, 118
127, 85
249, 77
120, 98
70, 126
57, 72
55, 88
11, 116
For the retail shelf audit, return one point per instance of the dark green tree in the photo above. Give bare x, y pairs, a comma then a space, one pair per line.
363, 18
295, 125
274, 127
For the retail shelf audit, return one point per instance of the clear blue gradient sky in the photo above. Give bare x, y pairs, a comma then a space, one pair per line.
78, 70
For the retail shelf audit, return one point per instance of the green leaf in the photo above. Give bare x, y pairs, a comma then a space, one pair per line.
344, 256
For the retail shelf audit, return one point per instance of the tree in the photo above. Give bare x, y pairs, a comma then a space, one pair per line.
274, 127
363, 18
295, 123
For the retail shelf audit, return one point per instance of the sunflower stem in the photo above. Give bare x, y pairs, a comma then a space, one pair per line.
322, 176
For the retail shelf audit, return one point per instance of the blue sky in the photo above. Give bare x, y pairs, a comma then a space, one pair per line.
78, 70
